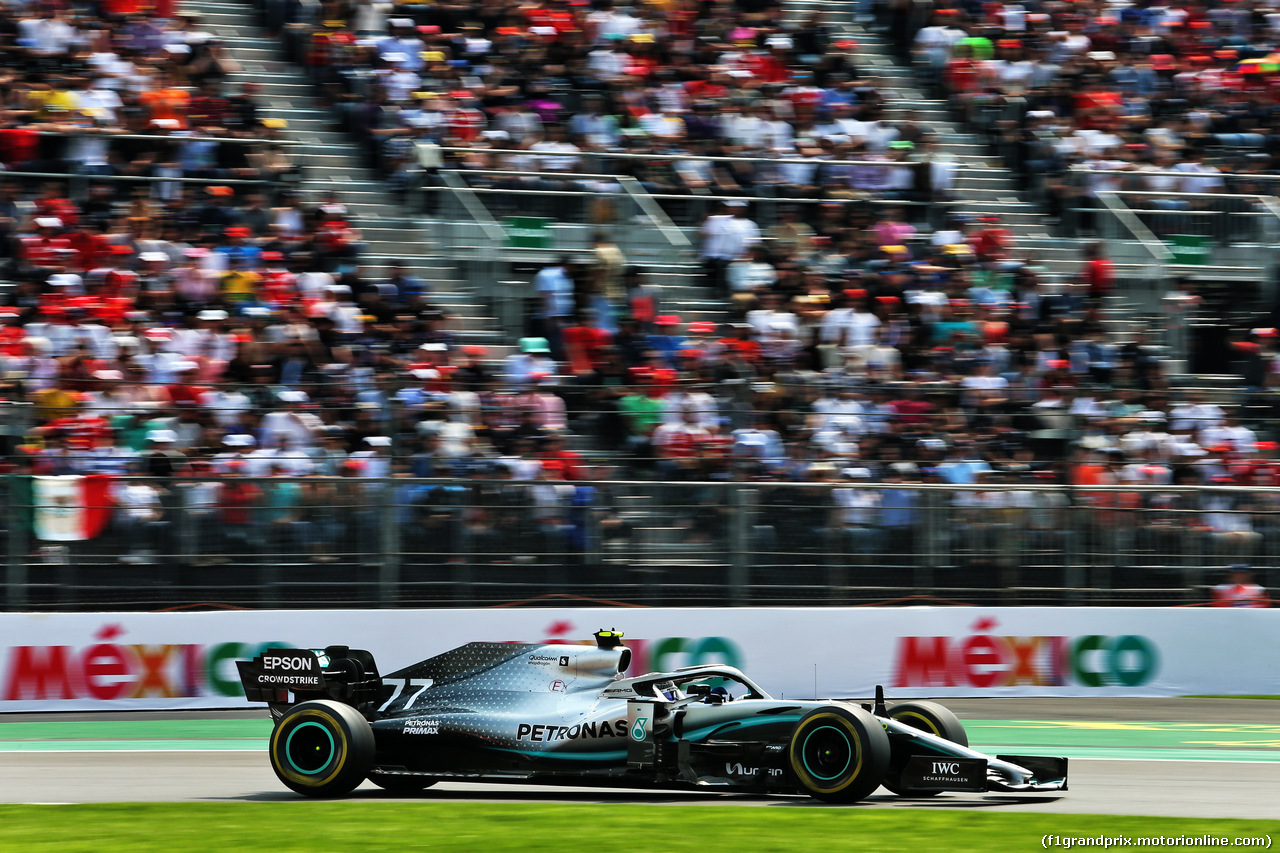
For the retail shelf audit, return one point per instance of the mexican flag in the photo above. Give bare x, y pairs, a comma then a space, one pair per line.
71, 508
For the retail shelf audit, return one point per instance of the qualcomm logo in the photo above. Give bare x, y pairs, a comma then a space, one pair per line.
637, 729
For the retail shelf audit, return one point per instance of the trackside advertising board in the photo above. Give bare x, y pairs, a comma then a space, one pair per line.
120, 661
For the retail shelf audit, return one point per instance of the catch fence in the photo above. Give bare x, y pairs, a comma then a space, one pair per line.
489, 540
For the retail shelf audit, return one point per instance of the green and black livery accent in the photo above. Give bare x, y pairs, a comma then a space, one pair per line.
568, 714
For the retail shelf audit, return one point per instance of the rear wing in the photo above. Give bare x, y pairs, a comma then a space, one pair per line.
336, 672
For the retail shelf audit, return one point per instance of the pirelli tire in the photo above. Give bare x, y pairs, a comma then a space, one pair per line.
839, 753
928, 717
322, 748
398, 783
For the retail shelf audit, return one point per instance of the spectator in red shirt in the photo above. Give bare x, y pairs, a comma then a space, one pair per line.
209, 109
236, 502
1240, 590
12, 335
585, 344
993, 242
913, 410
52, 204
1096, 106
555, 449
1098, 273
19, 146
185, 392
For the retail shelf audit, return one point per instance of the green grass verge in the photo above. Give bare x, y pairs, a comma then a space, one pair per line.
351, 827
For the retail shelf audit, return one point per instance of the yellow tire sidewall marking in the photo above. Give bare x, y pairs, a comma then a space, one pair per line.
929, 725
335, 728
797, 765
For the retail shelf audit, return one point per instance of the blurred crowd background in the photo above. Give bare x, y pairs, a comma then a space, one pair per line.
176, 308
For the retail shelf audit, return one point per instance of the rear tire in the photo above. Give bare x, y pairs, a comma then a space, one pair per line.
927, 717
401, 784
839, 753
322, 748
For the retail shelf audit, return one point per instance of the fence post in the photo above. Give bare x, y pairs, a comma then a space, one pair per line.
741, 500
934, 551
19, 519
511, 295
592, 545
1073, 571
389, 547
463, 574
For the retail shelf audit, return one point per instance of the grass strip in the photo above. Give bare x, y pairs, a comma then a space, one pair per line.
352, 827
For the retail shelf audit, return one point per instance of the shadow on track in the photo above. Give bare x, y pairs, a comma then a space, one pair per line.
533, 795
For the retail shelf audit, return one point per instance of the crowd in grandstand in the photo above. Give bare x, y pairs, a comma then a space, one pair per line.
1151, 98
180, 333
542, 89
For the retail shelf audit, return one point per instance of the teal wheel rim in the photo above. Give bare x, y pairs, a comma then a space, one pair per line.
306, 753
826, 748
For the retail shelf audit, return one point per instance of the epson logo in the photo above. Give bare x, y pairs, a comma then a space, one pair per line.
950, 768
277, 662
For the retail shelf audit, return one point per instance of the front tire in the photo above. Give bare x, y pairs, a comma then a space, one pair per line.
322, 748
927, 717
839, 753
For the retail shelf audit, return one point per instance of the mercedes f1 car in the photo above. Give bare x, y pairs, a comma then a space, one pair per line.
564, 714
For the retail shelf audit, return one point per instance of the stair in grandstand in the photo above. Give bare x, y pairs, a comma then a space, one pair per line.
331, 162
986, 186
471, 291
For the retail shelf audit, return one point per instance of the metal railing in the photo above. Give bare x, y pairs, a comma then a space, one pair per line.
642, 156
78, 183
110, 134
1242, 212
381, 397
296, 542
78, 176
1137, 230
654, 223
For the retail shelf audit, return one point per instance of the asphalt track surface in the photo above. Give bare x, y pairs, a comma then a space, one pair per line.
1145, 757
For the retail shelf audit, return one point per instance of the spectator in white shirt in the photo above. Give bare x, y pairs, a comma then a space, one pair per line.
1231, 433
726, 237
1195, 414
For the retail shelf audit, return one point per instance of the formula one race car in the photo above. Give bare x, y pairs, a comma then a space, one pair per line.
563, 714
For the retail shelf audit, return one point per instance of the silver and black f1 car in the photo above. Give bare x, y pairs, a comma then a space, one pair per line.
565, 714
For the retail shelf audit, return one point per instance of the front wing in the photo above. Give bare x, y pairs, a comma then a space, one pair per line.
938, 764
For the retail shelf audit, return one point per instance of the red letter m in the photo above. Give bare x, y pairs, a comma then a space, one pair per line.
922, 662
39, 672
